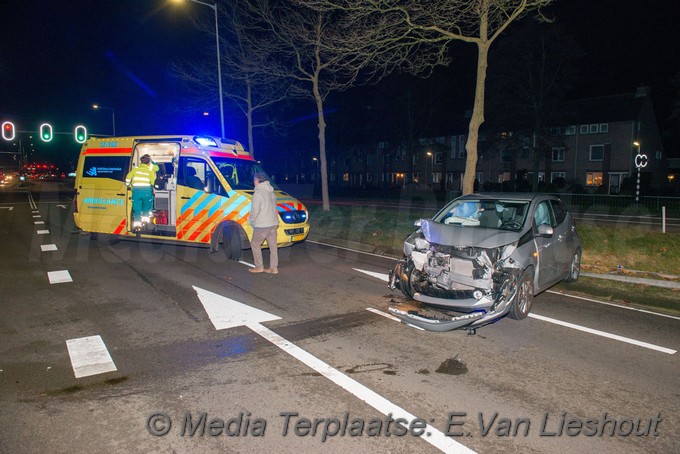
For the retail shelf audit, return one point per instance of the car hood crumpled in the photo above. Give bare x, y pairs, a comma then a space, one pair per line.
466, 236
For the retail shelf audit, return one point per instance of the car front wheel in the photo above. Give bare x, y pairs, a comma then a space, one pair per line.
524, 297
574, 267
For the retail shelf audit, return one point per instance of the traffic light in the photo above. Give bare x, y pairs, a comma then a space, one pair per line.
46, 132
81, 134
8, 130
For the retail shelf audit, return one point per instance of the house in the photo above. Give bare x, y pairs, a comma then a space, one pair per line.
591, 145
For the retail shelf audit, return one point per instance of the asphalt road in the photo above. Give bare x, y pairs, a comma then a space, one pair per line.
316, 353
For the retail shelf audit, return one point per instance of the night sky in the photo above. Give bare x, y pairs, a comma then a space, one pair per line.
57, 58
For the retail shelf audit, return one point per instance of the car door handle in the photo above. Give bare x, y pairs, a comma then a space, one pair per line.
186, 198
123, 194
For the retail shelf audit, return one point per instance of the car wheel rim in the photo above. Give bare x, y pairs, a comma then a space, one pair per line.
575, 267
523, 300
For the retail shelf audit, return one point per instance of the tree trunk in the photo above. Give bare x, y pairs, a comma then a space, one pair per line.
477, 115
249, 116
322, 146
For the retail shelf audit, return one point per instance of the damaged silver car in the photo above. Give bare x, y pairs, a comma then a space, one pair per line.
485, 256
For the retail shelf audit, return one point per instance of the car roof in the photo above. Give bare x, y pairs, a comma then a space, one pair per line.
519, 196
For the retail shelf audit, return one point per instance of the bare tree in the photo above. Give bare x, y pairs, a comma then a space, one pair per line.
252, 84
424, 23
326, 49
533, 70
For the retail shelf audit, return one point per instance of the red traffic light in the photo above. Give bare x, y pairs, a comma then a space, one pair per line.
8, 132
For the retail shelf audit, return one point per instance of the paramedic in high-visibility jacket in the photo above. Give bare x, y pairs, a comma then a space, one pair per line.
142, 179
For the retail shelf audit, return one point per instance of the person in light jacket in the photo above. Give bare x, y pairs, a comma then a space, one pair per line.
265, 221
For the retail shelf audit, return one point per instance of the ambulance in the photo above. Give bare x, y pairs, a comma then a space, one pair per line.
203, 192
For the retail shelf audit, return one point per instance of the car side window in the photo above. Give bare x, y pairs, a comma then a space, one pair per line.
560, 211
192, 173
543, 215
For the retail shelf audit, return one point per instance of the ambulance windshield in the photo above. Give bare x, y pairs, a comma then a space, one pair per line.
239, 173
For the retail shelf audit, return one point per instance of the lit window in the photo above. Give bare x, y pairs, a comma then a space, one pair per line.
594, 179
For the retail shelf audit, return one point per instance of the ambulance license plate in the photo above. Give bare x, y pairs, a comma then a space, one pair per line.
297, 237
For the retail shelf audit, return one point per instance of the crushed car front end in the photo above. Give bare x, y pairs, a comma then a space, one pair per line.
468, 272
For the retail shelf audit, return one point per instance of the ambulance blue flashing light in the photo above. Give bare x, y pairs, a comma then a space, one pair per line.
206, 141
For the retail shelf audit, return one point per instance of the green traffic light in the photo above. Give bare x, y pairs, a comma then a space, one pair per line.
80, 134
46, 132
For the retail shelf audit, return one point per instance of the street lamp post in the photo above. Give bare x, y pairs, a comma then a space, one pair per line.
431, 178
219, 66
113, 114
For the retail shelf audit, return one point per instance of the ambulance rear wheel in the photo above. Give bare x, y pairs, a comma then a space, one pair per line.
231, 243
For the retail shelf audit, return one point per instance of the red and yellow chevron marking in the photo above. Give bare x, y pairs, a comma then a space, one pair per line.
199, 225
120, 227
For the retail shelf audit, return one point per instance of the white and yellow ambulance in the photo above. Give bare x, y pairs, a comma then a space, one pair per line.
203, 192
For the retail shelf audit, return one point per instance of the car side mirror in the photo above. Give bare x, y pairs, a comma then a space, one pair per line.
545, 230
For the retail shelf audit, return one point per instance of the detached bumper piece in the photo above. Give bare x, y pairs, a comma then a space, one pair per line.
436, 324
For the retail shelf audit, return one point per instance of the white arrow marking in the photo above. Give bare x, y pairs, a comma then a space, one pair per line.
227, 313
7, 208
62, 206
89, 356
584, 329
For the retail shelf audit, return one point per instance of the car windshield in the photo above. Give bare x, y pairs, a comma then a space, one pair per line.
239, 172
487, 213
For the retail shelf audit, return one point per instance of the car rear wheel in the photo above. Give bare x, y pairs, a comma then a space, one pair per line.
574, 267
524, 298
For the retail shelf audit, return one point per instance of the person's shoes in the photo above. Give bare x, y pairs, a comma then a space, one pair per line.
257, 270
272, 271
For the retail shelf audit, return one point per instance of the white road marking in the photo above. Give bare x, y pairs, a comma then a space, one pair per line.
7, 208
604, 334
42, 232
89, 356
59, 277
39, 222
246, 263
385, 278
227, 313
36, 215
613, 304
381, 276
48, 247
350, 249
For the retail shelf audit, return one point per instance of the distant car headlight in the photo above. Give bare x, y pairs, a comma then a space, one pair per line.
422, 244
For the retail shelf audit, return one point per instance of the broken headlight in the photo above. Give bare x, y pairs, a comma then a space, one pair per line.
422, 244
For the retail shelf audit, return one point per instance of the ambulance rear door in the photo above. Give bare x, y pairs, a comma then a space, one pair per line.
101, 190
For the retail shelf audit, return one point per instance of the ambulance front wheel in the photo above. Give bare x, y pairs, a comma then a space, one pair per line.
231, 242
